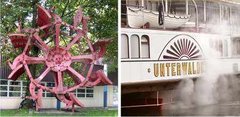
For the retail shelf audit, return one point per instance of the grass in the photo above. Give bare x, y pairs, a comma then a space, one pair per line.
52, 112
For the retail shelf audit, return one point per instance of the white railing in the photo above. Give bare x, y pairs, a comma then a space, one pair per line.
9, 88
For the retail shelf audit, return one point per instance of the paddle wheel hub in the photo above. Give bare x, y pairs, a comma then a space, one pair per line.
58, 59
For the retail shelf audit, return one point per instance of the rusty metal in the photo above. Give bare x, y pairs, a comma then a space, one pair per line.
57, 59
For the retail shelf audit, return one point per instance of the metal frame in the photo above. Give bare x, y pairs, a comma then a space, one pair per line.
58, 58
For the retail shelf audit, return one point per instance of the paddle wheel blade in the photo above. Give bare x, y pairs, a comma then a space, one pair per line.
18, 40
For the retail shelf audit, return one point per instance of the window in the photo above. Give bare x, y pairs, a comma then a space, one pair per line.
124, 46
134, 46
10, 88
85, 92
81, 92
3, 82
212, 12
3, 88
191, 11
3, 94
155, 6
234, 19
14, 88
50, 84
145, 47
236, 47
177, 7
24, 86
225, 13
149, 7
200, 6
14, 94
225, 48
217, 45
48, 94
131, 3
145, 6
89, 92
137, 4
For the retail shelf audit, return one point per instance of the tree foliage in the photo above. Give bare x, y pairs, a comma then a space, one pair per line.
102, 23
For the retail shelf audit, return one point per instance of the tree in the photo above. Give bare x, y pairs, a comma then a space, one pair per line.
102, 23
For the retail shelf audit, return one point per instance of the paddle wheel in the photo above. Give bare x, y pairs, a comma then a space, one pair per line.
57, 58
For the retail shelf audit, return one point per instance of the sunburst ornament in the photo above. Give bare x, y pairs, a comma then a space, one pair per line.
181, 47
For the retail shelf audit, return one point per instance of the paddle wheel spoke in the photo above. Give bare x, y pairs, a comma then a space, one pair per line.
34, 60
57, 39
59, 81
90, 45
28, 72
41, 42
90, 70
74, 72
14, 71
45, 26
78, 17
27, 46
37, 44
43, 75
82, 57
75, 39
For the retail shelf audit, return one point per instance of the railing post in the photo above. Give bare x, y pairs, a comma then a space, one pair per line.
196, 19
21, 88
105, 90
205, 11
166, 6
186, 7
8, 83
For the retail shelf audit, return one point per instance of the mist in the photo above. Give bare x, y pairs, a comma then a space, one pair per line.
217, 83
215, 86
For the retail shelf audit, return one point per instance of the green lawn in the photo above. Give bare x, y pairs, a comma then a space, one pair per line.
52, 112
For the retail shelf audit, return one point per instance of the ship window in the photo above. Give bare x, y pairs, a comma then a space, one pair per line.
145, 46
177, 7
236, 47
217, 46
200, 6
145, 6
124, 46
149, 7
225, 14
234, 18
134, 46
137, 4
155, 6
192, 11
212, 13
225, 48
132, 3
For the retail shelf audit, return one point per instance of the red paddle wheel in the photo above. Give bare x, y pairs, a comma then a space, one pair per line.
57, 58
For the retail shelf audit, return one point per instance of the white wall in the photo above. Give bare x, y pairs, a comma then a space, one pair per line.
51, 102
10, 102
